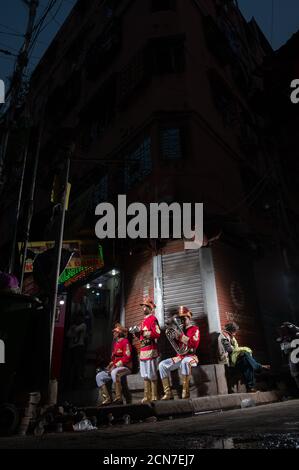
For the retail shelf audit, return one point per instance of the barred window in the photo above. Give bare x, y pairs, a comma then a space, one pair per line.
138, 164
171, 144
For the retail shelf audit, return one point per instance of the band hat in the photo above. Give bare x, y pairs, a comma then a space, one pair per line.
118, 328
149, 303
185, 312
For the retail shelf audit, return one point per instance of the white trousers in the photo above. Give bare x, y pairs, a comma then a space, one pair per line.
104, 377
149, 369
185, 364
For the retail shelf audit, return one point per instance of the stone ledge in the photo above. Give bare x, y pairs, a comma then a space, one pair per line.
173, 407
233, 401
220, 402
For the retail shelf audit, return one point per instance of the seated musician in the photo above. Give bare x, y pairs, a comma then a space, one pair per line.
120, 365
188, 341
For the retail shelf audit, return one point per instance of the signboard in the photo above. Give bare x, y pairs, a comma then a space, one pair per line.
87, 257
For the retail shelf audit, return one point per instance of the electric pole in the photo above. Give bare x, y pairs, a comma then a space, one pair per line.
16, 88
17, 81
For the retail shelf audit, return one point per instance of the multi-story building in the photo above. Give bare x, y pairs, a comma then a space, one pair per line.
158, 99
281, 121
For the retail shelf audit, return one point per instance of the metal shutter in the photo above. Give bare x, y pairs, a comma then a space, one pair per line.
182, 284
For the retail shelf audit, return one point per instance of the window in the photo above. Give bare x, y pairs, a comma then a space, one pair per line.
171, 144
132, 76
162, 5
138, 164
169, 55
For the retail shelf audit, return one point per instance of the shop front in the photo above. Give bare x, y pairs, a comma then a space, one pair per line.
87, 290
216, 283
95, 302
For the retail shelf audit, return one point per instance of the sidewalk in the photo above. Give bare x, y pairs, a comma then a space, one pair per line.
183, 408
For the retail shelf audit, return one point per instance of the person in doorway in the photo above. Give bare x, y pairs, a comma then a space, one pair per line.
120, 365
148, 333
188, 341
241, 358
77, 335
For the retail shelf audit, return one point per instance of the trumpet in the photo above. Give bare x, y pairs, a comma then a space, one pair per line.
134, 330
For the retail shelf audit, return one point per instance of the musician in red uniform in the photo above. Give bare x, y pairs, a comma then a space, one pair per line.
190, 339
120, 365
149, 332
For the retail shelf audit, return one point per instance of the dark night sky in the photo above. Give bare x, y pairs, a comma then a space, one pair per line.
13, 21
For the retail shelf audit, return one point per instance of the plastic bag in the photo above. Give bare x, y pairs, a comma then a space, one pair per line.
84, 425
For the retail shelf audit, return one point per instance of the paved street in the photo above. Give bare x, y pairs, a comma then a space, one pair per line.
269, 426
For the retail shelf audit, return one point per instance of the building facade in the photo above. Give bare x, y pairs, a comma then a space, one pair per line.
159, 100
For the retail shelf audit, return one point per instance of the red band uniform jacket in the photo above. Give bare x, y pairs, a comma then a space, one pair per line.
149, 334
122, 353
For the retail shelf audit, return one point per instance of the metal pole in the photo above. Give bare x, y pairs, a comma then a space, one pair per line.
15, 233
58, 250
31, 205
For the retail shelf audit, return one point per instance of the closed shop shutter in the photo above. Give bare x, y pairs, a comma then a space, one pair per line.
182, 283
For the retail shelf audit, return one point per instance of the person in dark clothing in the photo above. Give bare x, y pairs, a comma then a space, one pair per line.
241, 358
77, 335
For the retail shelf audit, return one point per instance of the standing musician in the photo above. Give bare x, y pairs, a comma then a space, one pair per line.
188, 340
120, 365
149, 332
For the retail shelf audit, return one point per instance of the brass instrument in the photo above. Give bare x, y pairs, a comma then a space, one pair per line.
134, 330
173, 330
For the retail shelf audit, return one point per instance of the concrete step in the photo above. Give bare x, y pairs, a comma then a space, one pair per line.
175, 408
213, 403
